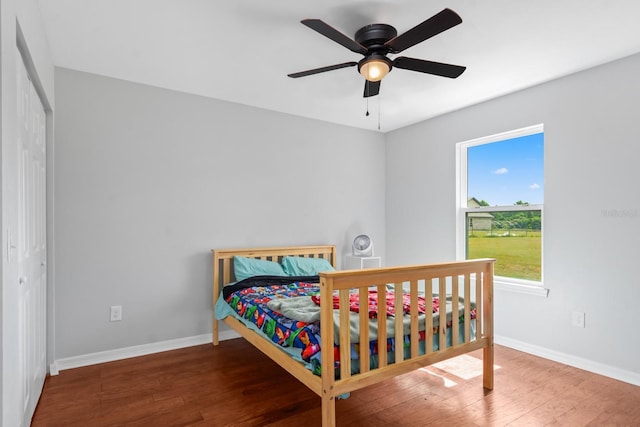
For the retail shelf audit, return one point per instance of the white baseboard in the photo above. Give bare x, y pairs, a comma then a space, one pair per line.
135, 351
571, 360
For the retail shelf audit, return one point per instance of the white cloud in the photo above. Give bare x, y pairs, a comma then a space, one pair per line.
501, 171
534, 186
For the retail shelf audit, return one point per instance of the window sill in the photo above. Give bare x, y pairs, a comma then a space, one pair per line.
538, 291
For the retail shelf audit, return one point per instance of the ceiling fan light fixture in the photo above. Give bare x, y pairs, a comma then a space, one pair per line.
374, 67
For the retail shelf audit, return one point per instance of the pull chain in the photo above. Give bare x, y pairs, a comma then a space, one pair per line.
367, 92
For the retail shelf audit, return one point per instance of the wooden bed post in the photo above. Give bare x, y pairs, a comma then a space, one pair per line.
216, 292
327, 340
487, 315
328, 410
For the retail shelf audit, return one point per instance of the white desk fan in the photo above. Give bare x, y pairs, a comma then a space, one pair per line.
362, 246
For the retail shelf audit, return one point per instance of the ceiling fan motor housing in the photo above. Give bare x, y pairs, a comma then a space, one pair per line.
374, 36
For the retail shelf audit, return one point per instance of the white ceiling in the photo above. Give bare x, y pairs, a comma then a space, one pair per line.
242, 50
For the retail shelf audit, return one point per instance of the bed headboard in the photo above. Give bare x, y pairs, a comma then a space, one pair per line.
223, 265
223, 259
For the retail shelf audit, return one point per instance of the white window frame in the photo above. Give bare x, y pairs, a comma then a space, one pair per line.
501, 283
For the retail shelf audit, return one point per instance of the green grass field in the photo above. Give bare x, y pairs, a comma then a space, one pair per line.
516, 256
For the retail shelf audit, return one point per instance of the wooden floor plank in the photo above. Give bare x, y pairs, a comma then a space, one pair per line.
236, 385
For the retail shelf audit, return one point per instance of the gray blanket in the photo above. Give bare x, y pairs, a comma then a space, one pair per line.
297, 308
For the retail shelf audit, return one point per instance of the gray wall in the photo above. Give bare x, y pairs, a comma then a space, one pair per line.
591, 174
147, 181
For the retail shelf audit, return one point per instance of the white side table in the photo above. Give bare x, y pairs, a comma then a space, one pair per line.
360, 262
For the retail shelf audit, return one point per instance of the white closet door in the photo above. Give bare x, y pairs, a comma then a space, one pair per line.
31, 242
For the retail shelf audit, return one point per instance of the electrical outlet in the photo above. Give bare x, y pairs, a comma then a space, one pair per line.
116, 313
577, 319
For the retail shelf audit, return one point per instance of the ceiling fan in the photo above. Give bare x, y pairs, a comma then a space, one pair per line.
376, 41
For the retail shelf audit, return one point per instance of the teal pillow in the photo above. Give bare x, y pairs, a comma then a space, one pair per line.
299, 266
248, 267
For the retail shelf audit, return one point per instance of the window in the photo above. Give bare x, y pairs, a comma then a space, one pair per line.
500, 204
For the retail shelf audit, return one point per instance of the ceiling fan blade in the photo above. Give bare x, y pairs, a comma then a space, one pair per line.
429, 67
335, 35
322, 69
371, 88
433, 26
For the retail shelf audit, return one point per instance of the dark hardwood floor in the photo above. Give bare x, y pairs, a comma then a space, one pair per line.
235, 385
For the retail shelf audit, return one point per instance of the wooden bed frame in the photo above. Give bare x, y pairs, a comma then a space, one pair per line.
472, 279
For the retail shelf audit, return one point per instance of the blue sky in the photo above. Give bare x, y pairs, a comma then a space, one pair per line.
507, 171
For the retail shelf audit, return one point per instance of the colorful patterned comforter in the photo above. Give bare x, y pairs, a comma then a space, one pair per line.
250, 303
